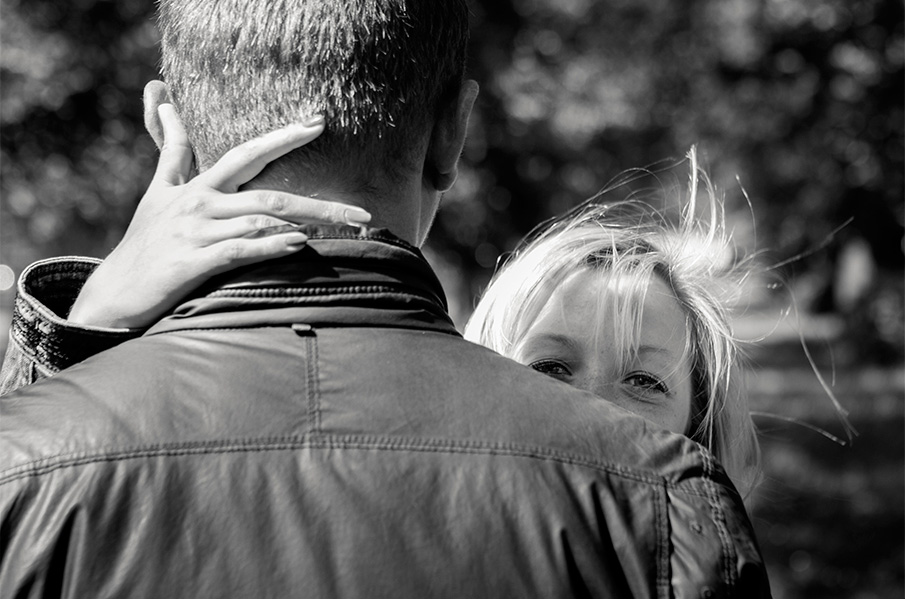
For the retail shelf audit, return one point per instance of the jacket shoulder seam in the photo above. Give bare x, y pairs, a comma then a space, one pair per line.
61, 461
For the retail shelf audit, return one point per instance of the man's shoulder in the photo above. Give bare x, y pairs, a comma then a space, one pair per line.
125, 399
447, 388
74, 413
233, 386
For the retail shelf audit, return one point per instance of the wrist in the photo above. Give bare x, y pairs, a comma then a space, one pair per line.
93, 307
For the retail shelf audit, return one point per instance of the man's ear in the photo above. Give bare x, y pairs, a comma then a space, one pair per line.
448, 139
156, 93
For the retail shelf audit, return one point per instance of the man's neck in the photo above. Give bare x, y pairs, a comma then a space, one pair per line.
397, 208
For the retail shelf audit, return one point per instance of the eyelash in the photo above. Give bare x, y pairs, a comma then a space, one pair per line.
544, 367
650, 382
643, 381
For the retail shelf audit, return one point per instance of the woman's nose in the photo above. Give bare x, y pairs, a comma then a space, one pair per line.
598, 383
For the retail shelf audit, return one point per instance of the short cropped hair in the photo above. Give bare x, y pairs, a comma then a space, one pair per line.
377, 70
630, 245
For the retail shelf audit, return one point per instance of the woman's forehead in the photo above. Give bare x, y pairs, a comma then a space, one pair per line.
590, 298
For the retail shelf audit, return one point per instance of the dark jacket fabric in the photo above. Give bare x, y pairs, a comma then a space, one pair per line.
315, 427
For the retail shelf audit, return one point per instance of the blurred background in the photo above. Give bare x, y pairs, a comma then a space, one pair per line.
796, 104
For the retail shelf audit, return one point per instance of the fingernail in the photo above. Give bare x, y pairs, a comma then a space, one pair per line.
166, 108
296, 240
356, 216
313, 120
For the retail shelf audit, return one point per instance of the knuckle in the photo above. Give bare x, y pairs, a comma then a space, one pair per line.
243, 153
183, 236
183, 263
276, 203
195, 205
247, 154
230, 251
263, 222
332, 212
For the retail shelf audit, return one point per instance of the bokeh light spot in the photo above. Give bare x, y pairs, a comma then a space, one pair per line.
7, 277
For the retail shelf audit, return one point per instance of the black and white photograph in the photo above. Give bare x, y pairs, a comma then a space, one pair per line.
452, 298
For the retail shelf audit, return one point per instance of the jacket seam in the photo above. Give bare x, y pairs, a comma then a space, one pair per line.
728, 555
661, 515
679, 488
52, 463
280, 291
304, 295
313, 378
371, 236
418, 327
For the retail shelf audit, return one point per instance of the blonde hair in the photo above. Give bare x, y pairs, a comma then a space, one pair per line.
632, 244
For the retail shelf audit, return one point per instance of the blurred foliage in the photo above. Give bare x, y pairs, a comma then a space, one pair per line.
74, 159
801, 99
829, 516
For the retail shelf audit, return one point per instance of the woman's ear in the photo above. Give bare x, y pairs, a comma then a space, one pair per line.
448, 139
155, 94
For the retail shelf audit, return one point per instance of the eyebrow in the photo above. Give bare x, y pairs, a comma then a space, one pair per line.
551, 338
661, 352
574, 345
654, 349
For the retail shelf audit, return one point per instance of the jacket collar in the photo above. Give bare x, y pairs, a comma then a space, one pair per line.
343, 277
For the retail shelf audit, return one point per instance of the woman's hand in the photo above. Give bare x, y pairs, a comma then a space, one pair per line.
183, 232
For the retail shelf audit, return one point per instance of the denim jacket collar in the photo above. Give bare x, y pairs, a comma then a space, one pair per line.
344, 276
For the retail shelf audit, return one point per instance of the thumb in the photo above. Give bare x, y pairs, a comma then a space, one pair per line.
176, 156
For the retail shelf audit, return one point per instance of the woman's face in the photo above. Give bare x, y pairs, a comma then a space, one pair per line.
569, 341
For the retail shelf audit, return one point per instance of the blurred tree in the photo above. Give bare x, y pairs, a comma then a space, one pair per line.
802, 99
73, 157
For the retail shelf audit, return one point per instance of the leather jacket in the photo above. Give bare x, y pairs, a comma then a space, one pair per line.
314, 426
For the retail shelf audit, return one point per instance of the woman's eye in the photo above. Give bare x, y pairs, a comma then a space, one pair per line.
646, 382
552, 368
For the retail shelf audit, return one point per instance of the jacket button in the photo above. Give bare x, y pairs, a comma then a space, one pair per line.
706, 593
303, 330
696, 526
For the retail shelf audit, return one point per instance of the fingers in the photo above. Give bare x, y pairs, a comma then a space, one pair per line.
233, 253
293, 208
154, 94
244, 162
175, 165
235, 228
